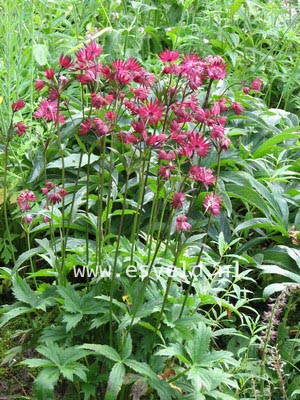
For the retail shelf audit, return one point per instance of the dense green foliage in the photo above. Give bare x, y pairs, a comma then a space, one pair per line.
161, 258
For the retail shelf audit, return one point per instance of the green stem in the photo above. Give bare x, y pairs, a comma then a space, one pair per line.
114, 271
5, 198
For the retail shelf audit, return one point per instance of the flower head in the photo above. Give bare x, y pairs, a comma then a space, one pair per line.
50, 73
18, 105
212, 203
65, 61
169, 56
178, 200
203, 175
21, 128
256, 85
181, 223
152, 112
237, 108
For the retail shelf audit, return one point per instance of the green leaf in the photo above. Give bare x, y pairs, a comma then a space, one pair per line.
25, 256
274, 269
47, 378
154, 381
23, 292
274, 288
127, 347
104, 350
263, 223
115, 381
199, 346
36, 362
15, 312
268, 146
73, 161
71, 369
37, 167
235, 6
72, 320
40, 53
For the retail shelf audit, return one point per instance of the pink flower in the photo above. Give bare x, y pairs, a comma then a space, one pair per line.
237, 108
85, 126
225, 143
39, 84
178, 200
65, 61
181, 224
100, 127
217, 132
198, 144
144, 78
88, 53
216, 67
98, 101
110, 116
169, 56
24, 198
215, 110
127, 137
246, 89
157, 140
49, 111
49, 185
141, 93
54, 198
28, 219
50, 73
21, 128
222, 103
18, 105
152, 112
63, 192
203, 175
212, 203
256, 85
165, 171
163, 155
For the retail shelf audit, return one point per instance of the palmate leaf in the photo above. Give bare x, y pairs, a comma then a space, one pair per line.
199, 346
209, 378
75, 368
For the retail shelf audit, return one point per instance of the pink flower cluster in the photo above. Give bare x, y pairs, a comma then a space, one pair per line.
166, 113
54, 195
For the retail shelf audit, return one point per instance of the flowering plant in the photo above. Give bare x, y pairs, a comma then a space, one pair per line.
135, 180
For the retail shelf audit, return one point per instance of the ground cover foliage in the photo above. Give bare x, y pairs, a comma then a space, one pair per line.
149, 218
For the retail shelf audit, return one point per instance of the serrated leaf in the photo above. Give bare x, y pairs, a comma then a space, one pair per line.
23, 292
127, 347
15, 312
104, 350
47, 378
36, 362
199, 346
115, 381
